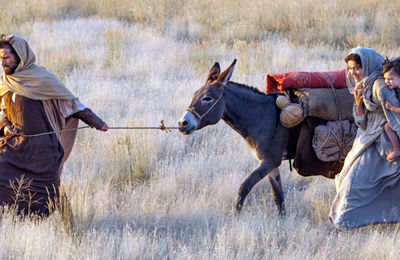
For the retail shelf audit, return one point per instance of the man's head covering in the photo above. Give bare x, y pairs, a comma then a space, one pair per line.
30, 80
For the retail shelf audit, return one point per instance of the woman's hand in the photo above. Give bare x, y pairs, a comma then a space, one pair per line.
8, 131
358, 94
358, 98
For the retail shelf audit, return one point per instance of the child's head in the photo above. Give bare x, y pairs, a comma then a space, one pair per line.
391, 73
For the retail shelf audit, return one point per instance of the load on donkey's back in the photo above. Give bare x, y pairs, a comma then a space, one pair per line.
317, 106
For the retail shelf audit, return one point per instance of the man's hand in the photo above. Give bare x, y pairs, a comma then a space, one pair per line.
8, 131
104, 127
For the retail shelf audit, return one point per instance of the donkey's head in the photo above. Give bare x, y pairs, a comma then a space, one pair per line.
208, 103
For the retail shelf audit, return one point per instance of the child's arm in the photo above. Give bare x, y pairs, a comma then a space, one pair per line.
392, 108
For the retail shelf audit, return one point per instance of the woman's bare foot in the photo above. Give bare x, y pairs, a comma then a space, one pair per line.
393, 155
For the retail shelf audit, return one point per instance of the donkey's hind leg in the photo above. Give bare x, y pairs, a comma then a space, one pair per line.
274, 179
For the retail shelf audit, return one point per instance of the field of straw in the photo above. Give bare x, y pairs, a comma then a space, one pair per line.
138, 194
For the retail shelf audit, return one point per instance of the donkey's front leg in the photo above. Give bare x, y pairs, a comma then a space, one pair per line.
258, 174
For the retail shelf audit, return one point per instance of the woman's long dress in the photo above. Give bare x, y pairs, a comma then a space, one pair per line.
368, 187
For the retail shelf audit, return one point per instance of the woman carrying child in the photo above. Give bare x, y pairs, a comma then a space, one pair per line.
368, 187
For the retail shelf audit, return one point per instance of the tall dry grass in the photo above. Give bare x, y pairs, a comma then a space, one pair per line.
336, 23
148, 194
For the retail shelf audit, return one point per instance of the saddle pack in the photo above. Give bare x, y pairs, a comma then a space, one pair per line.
319, 141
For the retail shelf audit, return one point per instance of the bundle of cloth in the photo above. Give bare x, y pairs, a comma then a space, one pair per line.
321, 94
279, 82
333, 140
323, 103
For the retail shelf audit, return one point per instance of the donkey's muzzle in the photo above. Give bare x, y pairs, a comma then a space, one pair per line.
184, 127
187, 124
183, 124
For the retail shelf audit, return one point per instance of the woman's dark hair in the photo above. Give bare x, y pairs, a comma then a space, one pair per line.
354, 57
389, 65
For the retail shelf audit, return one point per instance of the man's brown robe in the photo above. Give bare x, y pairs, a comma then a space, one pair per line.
36, 160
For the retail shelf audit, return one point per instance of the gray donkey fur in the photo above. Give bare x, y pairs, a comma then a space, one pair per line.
249, 112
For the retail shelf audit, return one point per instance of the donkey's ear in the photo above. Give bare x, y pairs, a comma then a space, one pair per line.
226, 75
214, 72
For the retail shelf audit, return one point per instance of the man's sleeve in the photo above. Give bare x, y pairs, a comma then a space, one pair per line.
89, 118
74, 108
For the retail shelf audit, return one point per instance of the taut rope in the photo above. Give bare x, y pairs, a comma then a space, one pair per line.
161, 127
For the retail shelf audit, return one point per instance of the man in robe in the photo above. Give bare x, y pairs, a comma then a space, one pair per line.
34, 101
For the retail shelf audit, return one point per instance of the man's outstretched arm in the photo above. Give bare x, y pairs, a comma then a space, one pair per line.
91, 119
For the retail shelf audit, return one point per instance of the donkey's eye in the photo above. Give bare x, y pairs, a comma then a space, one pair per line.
206, 99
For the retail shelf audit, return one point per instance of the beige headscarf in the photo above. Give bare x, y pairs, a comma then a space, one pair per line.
29, 79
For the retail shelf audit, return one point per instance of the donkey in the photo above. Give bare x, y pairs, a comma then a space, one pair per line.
251, 113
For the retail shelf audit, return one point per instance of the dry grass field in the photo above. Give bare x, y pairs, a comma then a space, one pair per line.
139, 194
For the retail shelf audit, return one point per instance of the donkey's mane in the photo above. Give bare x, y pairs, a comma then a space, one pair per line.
246, 87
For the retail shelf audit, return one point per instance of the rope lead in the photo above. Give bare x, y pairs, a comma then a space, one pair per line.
161, 127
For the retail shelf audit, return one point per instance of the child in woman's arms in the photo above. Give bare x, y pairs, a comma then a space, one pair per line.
391, 73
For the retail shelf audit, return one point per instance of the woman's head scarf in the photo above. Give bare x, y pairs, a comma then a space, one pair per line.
371, 63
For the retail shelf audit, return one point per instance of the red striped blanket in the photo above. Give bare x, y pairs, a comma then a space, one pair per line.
278, 82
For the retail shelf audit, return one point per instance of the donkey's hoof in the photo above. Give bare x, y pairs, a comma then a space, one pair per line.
282, 211
238, 208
